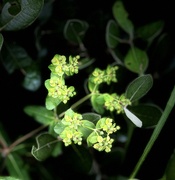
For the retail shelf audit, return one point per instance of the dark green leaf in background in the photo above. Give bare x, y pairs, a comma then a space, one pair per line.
74, 30
15, 57
40, 114
112, 34
149, 114
18, 16
150, 31
45, 146
169, 172
16, 166
1, 41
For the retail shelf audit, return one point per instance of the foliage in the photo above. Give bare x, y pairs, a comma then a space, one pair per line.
90, 107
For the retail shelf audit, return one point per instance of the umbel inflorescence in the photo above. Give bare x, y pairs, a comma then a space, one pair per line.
72, 127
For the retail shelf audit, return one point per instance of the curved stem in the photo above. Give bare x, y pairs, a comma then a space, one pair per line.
156, 132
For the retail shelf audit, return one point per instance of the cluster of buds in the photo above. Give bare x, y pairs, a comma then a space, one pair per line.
56, 84
104, 76
104, 128
71, 121
73, 129
116, 102
60, 66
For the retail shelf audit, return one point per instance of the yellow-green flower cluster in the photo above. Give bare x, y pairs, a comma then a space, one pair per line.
105, 127
58, 89
115, 102
71, 134
59, 65
104, 76
56, 84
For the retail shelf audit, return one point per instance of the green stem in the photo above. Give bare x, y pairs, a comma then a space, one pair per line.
156, 132
76, 104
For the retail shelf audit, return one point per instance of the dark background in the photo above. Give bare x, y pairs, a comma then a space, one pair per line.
96, 13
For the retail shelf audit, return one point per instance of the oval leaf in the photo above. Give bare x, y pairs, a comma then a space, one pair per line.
29, 11
133, 118
15, 57
51, 102
112, 34
92, 117
148, 113
45, 145
121, 16
40, 114
136, 60
86, 128
75, 30
150, 31
139, 87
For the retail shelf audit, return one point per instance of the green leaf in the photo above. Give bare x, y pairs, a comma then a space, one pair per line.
32, 80
93, 117
149, 114
75, 30
1, 41
15, 57
112, 34
97, 102
92, 139
8, 178
169, 172
139, 87
150, 31
45, 146
16, 166
59, 127
136, 60
40, 114
121, 16
19, 16
86, 128
52, 103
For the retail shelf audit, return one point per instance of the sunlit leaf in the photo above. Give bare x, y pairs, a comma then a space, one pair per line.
136, 60
112, 34
133, 117
40, 114
52, 103
45, 146
18, 16
75, 30
59, 127
121, 16
97, 102
139, 87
